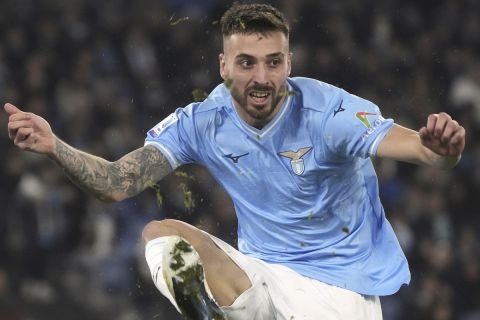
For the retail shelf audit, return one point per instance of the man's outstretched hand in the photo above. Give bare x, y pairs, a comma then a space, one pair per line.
29, 131
443, 135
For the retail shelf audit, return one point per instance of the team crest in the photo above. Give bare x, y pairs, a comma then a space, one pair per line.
296, 159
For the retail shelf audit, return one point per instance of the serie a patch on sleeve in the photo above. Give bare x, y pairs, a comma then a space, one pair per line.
371, 121
162, 125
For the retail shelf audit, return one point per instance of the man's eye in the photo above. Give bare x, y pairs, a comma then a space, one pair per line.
275, 62
246, 63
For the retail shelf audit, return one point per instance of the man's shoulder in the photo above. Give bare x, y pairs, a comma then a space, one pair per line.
218, 99
316, 95
213, 102
305, 81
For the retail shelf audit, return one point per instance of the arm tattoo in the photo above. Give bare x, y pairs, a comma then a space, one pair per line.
117, 180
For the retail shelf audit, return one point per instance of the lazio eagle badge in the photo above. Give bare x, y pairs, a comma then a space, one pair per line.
296, 159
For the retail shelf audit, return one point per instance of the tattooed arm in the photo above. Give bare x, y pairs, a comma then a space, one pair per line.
106, 180
117, 180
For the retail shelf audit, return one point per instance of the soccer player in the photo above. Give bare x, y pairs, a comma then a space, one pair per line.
294, 155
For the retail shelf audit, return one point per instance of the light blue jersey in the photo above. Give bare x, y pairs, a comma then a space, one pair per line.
304, 188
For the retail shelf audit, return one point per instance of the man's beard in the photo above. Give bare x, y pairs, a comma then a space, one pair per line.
260, 114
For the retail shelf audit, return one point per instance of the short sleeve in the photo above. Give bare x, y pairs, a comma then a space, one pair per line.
175, 136
354, 127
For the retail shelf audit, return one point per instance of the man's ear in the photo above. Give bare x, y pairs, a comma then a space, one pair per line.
223, 71
289, 63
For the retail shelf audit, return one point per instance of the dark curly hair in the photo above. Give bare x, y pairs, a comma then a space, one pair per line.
253, 18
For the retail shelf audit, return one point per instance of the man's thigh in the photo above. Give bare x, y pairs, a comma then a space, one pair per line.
297, 297
278, 292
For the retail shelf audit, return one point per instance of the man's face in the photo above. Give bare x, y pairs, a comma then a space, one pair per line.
255, 68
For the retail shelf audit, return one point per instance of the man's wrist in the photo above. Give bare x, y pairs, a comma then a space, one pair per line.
54, 149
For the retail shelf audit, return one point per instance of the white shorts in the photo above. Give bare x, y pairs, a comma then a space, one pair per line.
280, 293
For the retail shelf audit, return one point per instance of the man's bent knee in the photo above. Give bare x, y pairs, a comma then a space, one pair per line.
160, 228
225, 279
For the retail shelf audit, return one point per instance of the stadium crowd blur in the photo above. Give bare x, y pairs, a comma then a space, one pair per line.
104, 72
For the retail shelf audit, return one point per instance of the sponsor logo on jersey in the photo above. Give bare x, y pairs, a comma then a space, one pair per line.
339, 109
165, 123
235, 158
296, 159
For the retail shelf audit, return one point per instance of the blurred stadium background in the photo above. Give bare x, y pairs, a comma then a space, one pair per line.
104, 72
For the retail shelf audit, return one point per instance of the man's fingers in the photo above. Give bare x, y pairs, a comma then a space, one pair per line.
440, 125
11, 109
437, 124
458, 137
22, 135
423, 131
20, 116
424, 134
15, 125
443, 135
450, 128
25, 144
431, 121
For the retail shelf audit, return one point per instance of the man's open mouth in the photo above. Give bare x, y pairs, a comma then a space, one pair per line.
259, 96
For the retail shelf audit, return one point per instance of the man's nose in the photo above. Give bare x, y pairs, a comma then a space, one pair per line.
261, 74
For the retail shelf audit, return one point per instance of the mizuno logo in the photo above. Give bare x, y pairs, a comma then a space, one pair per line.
296, 160
362, 116
340, 109
235, 158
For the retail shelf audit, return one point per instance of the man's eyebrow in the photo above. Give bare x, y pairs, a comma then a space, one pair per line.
244, 56
269, 56
275, 55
